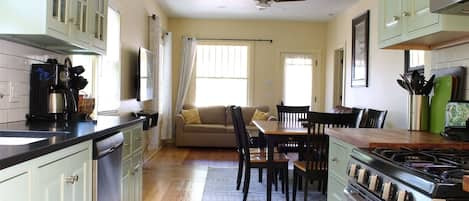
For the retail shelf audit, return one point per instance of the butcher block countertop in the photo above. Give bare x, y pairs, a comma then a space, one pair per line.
393, 138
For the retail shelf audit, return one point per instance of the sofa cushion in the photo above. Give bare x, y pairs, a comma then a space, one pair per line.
191, 116
248, 112
212, 115
205, 128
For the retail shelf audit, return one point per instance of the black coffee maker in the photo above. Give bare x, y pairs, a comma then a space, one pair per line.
52, 96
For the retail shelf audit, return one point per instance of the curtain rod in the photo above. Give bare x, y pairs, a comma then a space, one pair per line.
237, 39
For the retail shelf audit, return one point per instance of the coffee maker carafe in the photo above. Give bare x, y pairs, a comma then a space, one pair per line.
50, 95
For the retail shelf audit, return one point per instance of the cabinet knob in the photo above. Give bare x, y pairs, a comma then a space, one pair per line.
71, 179
405, 14
395, 18
335, 159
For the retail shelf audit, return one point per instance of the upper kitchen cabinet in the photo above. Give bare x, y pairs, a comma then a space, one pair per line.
64, 26
99, 24
409, 24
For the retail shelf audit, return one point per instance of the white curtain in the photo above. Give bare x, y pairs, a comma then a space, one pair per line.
187, 66
165, 88
155, 36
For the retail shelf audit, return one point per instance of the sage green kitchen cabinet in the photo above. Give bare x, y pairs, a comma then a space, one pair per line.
132, 164
98, 27
14, 179
79, 22
409, 24
64, 26
339, 155
64, 175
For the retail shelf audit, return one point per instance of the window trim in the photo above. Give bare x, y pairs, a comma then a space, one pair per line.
250, 66
410, 69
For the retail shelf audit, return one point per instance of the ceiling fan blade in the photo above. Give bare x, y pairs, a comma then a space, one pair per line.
287, 0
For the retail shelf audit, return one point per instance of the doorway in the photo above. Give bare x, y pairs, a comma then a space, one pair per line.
339, 78
298, 87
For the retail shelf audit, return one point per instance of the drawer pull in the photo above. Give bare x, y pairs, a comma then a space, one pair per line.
335, 159
71, 179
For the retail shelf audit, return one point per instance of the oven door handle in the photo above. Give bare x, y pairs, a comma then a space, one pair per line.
353, 196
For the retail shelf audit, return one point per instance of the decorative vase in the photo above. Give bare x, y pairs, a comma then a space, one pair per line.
418, 109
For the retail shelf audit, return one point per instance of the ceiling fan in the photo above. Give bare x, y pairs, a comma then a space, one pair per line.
263, 4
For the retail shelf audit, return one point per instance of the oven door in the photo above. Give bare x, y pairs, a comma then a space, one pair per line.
354, 194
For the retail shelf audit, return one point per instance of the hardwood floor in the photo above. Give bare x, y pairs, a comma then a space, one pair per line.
178, 174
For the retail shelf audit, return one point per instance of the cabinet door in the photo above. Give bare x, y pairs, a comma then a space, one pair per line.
57, 16
137, 172
14, 184
390, 20
99, 23
335, 189
418, 15
80, 23
51, 181
127, 180
65, 179
79, 170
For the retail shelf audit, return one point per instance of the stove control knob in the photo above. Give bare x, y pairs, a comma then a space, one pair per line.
353, 170
387, 191
362, 176
402, 195
373, 184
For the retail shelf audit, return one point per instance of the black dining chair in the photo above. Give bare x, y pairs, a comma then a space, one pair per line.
291, 114
374, 118
314, 167
254, 160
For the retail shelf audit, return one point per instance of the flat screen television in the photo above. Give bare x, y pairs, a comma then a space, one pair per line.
145, 75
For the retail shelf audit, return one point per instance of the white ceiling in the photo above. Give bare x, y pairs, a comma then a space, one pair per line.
309, 10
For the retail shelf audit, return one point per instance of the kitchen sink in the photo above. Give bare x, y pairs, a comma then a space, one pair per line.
19, 140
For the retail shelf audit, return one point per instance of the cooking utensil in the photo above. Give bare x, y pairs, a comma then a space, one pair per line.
405, 86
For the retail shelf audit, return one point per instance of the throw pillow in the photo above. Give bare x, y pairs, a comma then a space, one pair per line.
191, 116
259, 115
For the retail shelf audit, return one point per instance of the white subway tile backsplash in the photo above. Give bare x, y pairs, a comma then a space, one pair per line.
16, 114
3, 116
15, 67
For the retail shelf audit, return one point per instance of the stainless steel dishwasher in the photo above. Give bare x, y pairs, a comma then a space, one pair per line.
107, 168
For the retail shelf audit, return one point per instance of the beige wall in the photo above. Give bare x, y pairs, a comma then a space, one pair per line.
134, 34
384, 67
287, 36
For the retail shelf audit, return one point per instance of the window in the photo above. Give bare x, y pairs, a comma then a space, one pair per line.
298, 79
414, 61
222, 74
89, 63
109, 77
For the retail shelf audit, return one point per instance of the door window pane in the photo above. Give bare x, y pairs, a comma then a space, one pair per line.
298, 79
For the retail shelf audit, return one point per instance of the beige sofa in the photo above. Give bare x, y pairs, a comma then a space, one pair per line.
216, 129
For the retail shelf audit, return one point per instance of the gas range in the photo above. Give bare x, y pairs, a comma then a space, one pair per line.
407, 175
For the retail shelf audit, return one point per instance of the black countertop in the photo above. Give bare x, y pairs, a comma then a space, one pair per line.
59, 136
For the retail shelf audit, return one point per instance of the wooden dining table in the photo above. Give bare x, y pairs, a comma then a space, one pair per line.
278, 131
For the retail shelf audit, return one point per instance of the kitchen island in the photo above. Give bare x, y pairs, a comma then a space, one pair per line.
344, 140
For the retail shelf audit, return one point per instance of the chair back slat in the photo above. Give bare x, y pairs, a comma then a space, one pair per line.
242, 136
292, 113
374, 119
317, 142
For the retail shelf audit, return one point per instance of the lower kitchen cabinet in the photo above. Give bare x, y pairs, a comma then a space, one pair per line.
15, 183
132, 162
64, 175
339, 155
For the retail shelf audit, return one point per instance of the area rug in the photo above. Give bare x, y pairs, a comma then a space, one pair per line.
220, 185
